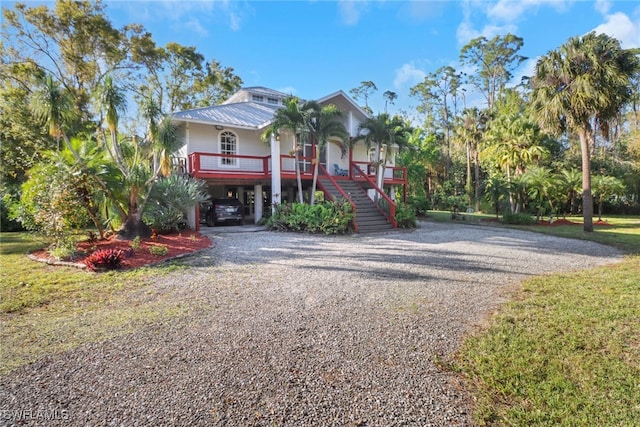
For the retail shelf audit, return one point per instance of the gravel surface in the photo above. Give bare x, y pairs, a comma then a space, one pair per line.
299, 330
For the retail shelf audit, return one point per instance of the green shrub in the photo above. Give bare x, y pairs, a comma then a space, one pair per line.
158, 250
105, 259
518, 219
321, 218
135, 243
170, 199
420, 205
405, 216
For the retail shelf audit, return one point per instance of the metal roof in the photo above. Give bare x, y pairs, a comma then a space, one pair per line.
249, 115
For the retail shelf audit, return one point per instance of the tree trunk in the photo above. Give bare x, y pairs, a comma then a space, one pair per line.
587, 198
476, 170
133, 225
298, 178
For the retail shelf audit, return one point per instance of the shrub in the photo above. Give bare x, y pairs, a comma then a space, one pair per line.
517, 219
158, 250
324, 218
170, 199
405, 216
420, 205
104, 259
135, 243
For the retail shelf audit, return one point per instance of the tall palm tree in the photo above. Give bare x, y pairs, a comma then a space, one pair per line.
323, 123
585, 81
291, 118
471, 130
379, 131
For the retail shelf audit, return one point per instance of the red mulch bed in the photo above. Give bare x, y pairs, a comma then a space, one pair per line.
177, 244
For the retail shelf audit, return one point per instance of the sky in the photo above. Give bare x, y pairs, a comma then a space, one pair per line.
312, 48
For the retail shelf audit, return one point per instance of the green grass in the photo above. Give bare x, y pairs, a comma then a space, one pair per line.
566, 350
46, 309
565, 353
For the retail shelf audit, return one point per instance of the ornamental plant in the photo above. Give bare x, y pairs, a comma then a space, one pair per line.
105, 259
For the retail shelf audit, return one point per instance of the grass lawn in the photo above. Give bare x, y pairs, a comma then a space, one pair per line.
566, 350
46, 309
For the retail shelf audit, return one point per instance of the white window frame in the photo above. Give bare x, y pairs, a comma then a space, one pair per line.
228, 162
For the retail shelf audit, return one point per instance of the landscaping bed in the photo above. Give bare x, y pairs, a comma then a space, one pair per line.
148, 251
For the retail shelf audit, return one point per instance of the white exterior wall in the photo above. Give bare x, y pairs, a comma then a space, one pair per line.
206, 139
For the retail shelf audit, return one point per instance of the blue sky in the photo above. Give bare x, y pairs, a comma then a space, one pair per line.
314, 48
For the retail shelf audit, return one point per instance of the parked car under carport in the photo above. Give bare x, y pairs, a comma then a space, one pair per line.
227, 210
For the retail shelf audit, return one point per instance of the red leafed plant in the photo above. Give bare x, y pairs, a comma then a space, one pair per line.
105, 259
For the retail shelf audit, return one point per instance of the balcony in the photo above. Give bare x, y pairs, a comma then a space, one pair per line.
238, 166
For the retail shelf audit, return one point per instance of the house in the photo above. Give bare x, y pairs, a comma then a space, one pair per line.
223, 146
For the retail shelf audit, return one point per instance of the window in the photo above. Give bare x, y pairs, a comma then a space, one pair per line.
228, 145
272, 101
257, 98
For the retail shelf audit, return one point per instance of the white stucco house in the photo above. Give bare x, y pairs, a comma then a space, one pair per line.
223, 146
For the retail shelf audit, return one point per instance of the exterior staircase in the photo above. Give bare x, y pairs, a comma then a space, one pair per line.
369, 219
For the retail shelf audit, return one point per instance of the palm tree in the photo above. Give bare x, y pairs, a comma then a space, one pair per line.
604, 188
571, 181
471, 131
291, 118
512, 143
324, 125
585, 81
495, 191
53, 105
379, 131
542, 187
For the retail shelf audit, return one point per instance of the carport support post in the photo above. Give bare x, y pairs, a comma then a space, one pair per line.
276, 185
258, 201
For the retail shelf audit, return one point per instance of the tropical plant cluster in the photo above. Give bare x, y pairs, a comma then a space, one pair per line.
321, 218
71, 155
561, 141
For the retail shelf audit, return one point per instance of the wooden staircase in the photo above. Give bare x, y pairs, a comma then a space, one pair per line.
369, 219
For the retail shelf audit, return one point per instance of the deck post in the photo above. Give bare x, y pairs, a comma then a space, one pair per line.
276, 183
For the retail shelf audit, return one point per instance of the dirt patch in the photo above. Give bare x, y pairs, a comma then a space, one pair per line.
178, 244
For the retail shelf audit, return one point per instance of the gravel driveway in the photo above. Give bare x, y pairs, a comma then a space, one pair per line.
299, 330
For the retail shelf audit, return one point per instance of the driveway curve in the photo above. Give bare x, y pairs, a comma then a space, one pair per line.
298, 330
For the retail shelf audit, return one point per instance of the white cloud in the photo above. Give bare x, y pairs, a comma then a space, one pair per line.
622, 28
407, 75
466, 32
351, 10
603, 6
195, 26
509, 10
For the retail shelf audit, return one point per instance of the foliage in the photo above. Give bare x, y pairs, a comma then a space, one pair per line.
321, 218
135, 243
420, 205
517, 219
170, 200
405, 216
105, 259
50, 204
158, 250
584, 82
496, 191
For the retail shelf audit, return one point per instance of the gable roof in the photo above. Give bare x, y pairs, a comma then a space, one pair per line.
241, 112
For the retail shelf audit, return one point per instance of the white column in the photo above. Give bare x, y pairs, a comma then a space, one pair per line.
258, 202
276, 185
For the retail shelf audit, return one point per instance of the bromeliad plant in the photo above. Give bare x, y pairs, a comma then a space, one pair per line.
105, 259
